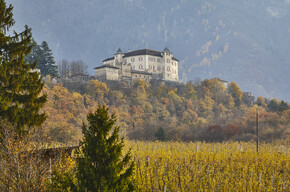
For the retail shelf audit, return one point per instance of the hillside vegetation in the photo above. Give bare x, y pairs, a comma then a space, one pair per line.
193, 111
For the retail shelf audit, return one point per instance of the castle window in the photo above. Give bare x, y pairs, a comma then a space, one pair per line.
154, 59
158, 60
150, 66
140, 66
159, 68
140, 59
168, 68
168, 60
133, 59
133, 67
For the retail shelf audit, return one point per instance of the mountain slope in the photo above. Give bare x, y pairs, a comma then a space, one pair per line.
245, 41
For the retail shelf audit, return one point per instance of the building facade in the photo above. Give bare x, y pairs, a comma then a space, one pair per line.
143, 64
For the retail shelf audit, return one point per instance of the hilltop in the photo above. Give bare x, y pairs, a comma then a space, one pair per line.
243, 41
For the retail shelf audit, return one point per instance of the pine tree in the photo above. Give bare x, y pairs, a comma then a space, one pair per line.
45, 60
283, 106
160, 134
20, 83
50, 67
100, 166
273, 105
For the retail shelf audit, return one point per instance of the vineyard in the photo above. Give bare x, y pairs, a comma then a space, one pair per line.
175, 166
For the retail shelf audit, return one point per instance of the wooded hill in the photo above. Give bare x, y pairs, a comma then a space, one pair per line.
192, 111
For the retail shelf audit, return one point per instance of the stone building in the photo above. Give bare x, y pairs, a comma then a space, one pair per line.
143, 64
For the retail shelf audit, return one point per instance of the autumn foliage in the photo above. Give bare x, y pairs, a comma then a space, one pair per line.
203, 110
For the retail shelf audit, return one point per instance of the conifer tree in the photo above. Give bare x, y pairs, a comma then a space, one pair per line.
49, 63
100, 166
20, 83
45, 60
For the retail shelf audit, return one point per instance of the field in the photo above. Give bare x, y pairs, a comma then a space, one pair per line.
174, 166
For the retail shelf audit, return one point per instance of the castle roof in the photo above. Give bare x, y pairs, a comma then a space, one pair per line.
108, 66
119, 51
142, 52
108, 59
166, 50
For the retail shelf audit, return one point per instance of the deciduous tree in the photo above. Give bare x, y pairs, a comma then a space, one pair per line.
236, 93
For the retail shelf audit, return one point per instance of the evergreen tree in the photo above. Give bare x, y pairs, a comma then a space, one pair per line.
160, 134
273, 105
283, 106
45, 60
49, 64
100, 166
20, 83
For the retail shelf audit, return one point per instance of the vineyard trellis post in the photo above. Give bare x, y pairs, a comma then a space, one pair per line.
257, 129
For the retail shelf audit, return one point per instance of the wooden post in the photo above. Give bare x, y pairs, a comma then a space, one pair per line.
50, 170
257, 129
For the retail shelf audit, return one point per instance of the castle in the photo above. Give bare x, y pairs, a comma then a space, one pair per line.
143, 64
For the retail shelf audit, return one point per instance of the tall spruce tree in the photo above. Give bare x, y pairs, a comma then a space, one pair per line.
48, 61
45, 60
20, 84
100, 166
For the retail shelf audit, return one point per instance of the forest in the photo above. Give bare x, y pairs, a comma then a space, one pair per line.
193, 111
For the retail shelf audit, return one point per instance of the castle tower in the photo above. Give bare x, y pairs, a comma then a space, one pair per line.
167, 60
118, 57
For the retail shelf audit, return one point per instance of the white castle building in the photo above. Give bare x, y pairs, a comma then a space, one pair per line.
143, 64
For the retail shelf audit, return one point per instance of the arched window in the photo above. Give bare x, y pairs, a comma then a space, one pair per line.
140, 59
168, 60
133, 59
150, 66
133, 67
168, 68
140, 66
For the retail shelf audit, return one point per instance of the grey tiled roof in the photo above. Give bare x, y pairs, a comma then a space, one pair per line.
142, 52
108, 66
